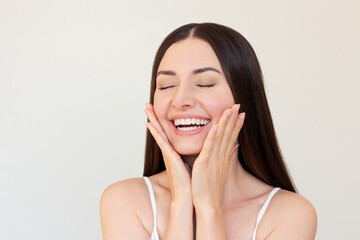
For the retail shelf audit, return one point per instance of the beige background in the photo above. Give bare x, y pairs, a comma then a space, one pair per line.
74, 77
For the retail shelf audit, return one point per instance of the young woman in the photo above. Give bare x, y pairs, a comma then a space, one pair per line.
210, 172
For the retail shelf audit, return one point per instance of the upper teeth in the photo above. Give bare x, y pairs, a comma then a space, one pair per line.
190, 121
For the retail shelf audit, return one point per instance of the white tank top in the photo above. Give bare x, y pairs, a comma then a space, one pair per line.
155, 235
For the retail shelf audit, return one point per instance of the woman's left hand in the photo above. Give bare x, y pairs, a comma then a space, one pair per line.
210, 169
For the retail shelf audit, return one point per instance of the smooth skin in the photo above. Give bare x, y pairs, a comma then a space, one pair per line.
209, 172
203, 176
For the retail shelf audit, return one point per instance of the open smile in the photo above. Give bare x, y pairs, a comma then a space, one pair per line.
189, 125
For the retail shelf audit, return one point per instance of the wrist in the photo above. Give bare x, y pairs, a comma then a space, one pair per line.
181, 208
181, 196
208, 209
209, 215
207, 204
181, 203
210, 222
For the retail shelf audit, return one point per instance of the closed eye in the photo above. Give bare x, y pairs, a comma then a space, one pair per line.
206, 85
163, 88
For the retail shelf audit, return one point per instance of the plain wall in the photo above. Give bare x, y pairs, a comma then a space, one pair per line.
74, 77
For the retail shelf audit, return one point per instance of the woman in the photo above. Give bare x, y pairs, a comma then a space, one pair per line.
211, 172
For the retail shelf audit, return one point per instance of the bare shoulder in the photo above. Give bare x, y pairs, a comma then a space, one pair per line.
127, 190
289, 202
122, 208
292, 217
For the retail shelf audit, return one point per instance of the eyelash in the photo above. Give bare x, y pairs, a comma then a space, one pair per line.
163, 88
208, 86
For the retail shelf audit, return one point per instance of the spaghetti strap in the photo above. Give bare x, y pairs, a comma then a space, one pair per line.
154, 234
263, 209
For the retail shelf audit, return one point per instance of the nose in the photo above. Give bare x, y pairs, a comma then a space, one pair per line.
184, 98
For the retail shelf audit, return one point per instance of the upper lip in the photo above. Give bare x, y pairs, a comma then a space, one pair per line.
184, 116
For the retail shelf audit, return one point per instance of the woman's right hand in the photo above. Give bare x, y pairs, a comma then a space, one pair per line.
177, 170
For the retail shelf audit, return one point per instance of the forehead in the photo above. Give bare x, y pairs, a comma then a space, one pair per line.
189, 54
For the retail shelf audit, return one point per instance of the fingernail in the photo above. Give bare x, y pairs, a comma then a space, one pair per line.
243, 115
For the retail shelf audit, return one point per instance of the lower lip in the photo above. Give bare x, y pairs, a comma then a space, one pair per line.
191, 132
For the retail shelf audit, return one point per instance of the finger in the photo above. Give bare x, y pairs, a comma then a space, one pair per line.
173, 162
149, 110
164, 145
236, 130
229, 130
153, 119
223, 121
148, 105
221, 128
208, 147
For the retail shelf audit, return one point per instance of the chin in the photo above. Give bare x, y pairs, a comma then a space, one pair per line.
188, 149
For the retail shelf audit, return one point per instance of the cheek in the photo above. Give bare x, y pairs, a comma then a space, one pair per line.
217, 105
158, 105
161, 109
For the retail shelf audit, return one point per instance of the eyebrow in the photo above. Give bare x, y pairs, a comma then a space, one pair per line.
196, 71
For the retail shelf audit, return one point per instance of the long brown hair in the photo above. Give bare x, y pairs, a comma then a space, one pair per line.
259, 152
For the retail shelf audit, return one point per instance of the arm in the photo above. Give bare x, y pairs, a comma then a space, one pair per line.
180, 226
210, 173
210, 223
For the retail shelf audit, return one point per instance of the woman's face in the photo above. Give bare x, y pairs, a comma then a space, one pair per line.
191, 94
